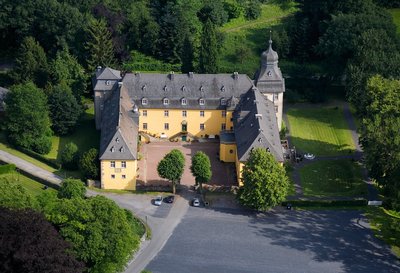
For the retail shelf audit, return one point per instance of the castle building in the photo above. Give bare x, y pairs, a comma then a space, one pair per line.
243, 113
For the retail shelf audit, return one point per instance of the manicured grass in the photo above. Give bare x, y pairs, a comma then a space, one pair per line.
321, 131
32, 186
332, 178
289, 171
385, 227
252, 35
396, 18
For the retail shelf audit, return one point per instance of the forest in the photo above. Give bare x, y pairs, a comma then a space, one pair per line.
55, 45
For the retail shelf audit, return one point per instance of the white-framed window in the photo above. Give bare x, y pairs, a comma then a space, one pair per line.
201, 113
113, 176
166, 126
223, 88
223, 101
276, 97
184, 101
223, 126
165, 101
123, 176
184, 113
202, 101
223, 114
144, 113
145, 101
123, 164
108, 82
112, 149
121, 150
202, 126
166, 113
276, 109
144, 126
112, 164
117, 140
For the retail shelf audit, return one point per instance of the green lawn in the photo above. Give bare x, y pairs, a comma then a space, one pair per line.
252, 35
332, 178
32, 186
396, 18
385, 227
321, 131
289, 171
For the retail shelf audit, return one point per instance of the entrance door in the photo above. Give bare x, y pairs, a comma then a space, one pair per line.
184, 138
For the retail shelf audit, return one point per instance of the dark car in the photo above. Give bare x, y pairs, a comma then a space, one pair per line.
169, 199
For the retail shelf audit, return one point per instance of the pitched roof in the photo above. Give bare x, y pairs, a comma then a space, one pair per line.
107, 73
192, 87
119, 130
255, 126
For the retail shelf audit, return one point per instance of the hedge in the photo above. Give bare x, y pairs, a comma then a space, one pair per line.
51, 162
326, 203
7, 168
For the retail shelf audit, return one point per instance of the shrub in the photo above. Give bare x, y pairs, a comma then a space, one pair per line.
253, 10
69, 156
72, 188
89, 164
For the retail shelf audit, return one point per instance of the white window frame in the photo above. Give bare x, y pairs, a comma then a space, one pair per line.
223, 101
184, 113
184, 101
145, 101
123, 164
202, 102
202, 127
112, 164
166, 101
201, 113
144, 126
144, 113
166, 126
166, 113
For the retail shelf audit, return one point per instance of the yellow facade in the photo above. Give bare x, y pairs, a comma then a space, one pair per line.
117, 175
239, 167
170, 122
227, 152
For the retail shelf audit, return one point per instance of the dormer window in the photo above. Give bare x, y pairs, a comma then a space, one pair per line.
121, 150
144, 101
184, 101
112, 149
223, 101
201, 89
144, 87
117, 140
183, 88
223, 88
202, 101
165, 101
269, 73
165, 88
108, 82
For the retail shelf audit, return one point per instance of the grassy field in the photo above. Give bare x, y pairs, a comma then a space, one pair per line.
252, 35
396, 18
32, 186
385, 227
332, 178
321, 131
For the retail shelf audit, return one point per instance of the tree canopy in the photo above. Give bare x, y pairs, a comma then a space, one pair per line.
265, 183
72, 188
89, 163
171, 167
208, 61
201, 168
14, 196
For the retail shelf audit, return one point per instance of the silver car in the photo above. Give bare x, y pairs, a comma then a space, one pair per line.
196, 202
158, 201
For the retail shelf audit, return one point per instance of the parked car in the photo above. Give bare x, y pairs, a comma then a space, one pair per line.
196, 202
169, 199
158, 201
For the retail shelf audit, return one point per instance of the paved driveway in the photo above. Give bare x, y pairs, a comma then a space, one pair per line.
153, 152
289, 241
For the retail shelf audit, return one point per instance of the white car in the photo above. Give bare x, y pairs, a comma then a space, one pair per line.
158, 201
309, 156
196, 202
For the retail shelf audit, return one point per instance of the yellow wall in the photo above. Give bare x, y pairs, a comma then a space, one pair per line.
212, 121
239, 168
118, 183
225, 153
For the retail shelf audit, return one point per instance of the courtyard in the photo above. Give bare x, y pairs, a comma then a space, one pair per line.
151, 153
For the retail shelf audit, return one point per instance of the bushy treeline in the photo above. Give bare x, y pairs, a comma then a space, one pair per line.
64, 231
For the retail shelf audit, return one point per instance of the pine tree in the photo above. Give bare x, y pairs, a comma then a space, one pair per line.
209, 49
99, 45
187, 56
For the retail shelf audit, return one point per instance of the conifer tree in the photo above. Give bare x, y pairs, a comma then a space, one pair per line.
209, 49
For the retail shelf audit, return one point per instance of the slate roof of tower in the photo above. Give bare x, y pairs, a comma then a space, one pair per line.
255, 126
119, 130
192, 87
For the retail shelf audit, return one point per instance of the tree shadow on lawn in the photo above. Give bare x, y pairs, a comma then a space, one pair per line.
336, 236
320, 148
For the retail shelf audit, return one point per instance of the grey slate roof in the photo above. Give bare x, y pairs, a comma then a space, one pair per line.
107, 73
255, 126
192, 87
119, 130
3, 93
227, 137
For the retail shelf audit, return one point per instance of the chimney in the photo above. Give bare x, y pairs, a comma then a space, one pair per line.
98, 68
171, 75
258, 116
120, 84
137, 74
235, 75
191, 75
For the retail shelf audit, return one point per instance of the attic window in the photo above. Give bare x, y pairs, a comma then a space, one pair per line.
201, 89
184, 101
223, 88
108, 82
112, 149
202, 101
144, 87
165, 101
183, 88
122, 149
260, 140
269, 73
165, 88
223, 101
144, 101
117, 139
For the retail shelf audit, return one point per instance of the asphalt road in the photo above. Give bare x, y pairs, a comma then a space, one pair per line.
208, 240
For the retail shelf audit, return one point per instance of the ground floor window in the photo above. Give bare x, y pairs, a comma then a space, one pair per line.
144, 126
112, 176
202, 126
223, 126
166, 126
123, 176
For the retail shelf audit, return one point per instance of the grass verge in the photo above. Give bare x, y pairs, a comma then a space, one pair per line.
396, 18
321, 131
333, 178
33, 187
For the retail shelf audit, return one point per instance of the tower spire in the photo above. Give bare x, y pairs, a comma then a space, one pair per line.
270, 39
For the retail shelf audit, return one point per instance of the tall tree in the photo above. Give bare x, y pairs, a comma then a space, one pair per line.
89, 163
70, 156
64, 109
209, 49
187, 56
171, 167
31, 63
99, 45
27, 118
201, 168
31, 244
265, 183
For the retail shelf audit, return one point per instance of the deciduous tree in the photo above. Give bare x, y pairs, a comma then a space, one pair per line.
72, 188
13, 195
89, 164
70, 156
201, 168
265, 183
171, 167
